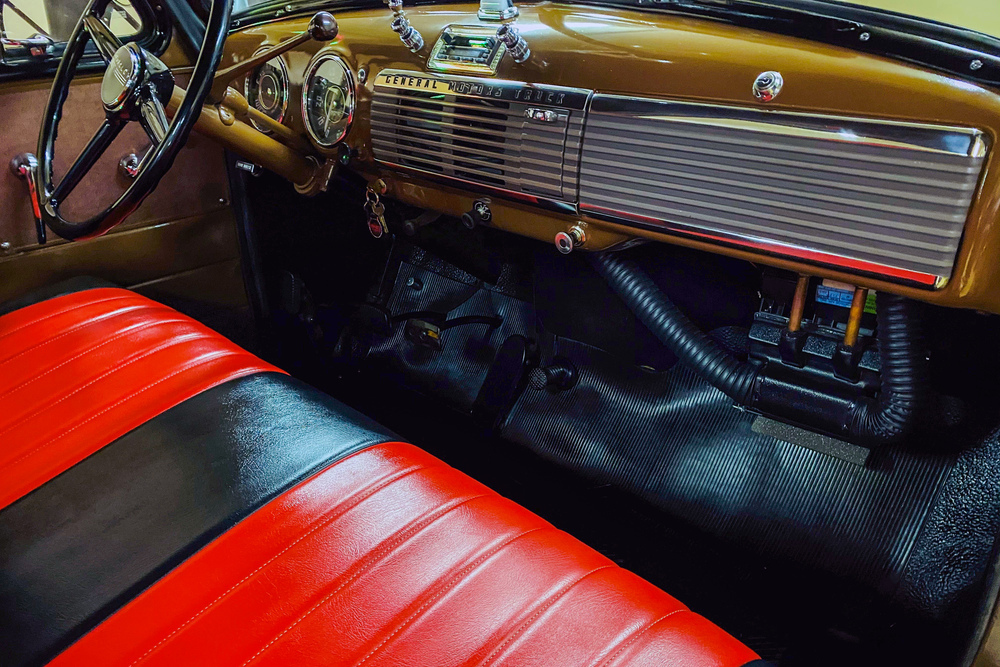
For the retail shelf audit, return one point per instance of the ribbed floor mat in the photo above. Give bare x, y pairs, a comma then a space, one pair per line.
679, 442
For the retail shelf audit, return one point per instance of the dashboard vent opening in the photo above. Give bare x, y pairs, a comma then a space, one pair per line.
885, 198
471, 131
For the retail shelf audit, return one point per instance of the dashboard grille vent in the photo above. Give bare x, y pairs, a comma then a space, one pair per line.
887, 198
476, 131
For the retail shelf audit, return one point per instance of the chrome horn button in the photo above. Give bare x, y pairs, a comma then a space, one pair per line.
122, 77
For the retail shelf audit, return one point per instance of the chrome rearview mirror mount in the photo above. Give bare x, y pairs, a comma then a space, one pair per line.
497, 10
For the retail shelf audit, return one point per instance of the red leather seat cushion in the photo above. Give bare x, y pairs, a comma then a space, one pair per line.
80, 370
390, 557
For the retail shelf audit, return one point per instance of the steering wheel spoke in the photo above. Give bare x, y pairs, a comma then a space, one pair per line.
88, 157
153, 118
101, 35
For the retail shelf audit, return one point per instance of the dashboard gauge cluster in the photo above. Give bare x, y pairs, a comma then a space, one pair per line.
267, 90
328, 99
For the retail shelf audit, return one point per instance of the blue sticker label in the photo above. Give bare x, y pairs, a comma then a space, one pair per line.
834, 296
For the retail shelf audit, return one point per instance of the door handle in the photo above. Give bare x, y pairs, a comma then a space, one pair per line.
36, 46
25, 166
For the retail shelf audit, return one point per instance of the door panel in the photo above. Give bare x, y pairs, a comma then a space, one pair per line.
183, 235
195, 185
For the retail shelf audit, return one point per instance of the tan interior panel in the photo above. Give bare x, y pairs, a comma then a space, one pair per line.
659, 56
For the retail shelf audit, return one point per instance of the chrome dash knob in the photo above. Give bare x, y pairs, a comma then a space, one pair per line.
515, 44
409, 35
568, 240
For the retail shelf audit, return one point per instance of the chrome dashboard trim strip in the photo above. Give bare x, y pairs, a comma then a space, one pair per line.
516, 138
785, 251
884, 198
500, 89
929, 137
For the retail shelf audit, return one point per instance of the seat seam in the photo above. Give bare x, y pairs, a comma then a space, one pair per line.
186, 338
636, 635
63, 312
545, 606
375, 557
139, 327
102, 317
454, 581
341, 509
200, 362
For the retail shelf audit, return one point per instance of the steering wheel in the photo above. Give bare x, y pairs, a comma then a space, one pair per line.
136, 87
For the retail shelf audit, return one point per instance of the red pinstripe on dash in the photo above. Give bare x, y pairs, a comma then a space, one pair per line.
389, 557
782, 249
80, 370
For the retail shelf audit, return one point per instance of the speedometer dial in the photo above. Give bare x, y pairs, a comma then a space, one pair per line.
267, 90
328, 99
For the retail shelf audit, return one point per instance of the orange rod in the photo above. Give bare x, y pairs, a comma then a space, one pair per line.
854, 319
798, 303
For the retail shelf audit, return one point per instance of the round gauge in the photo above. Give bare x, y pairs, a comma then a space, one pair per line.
328, 99
267, 90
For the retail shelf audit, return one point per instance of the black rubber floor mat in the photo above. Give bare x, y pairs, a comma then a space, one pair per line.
680, 443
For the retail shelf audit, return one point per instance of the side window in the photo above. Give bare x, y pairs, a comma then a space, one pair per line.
34, 29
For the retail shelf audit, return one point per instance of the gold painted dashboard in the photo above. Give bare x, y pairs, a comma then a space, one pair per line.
671, 58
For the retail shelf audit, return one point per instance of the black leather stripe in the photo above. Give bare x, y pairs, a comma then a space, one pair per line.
79, 547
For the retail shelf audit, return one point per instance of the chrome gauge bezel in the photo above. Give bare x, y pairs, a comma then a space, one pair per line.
349, 104
284, 93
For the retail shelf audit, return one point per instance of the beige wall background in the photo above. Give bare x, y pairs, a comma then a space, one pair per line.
979, 15
58, 17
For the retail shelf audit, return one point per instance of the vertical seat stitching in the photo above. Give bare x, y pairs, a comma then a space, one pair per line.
190, 337
135, 328
372, 559
63, 312
189, 366
632, 639
86, 323
341, 508
456, 579
542, 608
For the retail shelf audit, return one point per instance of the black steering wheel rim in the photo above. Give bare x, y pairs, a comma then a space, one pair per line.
164, 150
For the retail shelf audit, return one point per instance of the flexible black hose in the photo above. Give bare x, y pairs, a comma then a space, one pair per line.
672, 327
892, 413
885, 418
